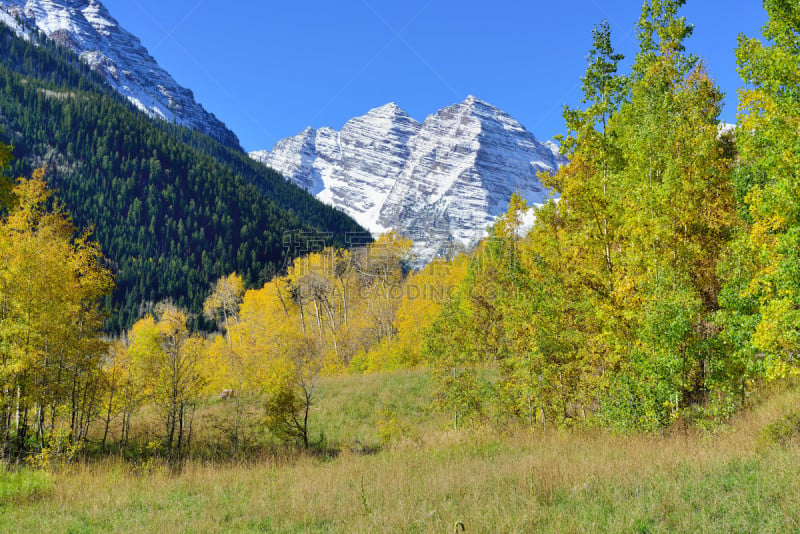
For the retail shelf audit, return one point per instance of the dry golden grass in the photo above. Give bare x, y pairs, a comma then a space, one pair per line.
576, 481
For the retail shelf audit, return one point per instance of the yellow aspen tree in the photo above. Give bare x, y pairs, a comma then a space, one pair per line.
51, 286
422, 297
168, 360
224, 300
282, 351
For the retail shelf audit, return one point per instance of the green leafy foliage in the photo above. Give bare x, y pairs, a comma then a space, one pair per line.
762, 304
607, 307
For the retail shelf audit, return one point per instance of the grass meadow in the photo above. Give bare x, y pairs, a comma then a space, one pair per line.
392, 465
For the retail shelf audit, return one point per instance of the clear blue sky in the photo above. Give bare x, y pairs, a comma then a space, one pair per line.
268, 69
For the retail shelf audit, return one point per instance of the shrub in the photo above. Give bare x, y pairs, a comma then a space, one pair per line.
783, 432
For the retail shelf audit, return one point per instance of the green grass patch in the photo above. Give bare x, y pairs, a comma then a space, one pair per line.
23, 484
356, 410
578, 480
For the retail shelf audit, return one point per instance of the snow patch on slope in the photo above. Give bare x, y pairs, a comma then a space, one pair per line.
10, 21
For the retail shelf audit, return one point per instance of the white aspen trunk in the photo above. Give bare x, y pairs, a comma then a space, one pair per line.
16, 416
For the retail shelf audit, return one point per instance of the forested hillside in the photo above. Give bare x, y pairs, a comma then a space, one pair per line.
172, 209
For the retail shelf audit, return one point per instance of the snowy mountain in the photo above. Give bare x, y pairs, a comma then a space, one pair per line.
86, 27
442, 182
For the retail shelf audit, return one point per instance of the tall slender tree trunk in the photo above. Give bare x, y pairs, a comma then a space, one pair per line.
189, 434
89, 412
40, 423
180, 428
227, 327
455, 408
23, 432
303, 317
108, 420
170, 426
16, 416
6, 419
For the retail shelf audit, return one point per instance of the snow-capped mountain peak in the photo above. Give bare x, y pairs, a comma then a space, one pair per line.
86, 27
390, 109
442, 182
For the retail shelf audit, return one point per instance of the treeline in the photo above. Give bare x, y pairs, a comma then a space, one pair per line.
171, 208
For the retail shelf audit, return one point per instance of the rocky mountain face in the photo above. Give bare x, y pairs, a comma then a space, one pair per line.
86, 27
441, 183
